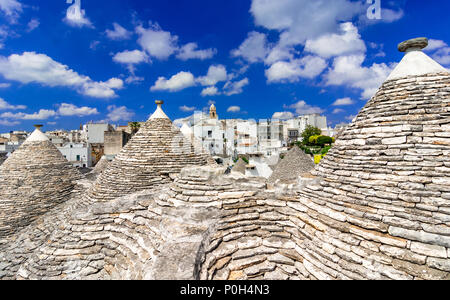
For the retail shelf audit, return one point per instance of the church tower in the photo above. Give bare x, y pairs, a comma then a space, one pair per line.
213, 112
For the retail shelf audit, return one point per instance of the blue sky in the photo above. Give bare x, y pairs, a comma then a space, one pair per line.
63, 64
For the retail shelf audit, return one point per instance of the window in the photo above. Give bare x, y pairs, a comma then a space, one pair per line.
209, 133
78, 158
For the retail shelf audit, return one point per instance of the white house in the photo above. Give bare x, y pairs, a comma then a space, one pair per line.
79, 155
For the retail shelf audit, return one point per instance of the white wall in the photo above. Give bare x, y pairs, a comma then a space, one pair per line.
71, 150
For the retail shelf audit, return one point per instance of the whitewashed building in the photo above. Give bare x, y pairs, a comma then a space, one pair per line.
79, 155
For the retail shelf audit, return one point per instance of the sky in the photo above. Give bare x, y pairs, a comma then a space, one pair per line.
67, 62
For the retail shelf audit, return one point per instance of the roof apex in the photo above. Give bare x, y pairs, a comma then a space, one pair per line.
159, 113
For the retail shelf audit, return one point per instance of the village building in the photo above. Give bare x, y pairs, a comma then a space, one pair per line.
375, 208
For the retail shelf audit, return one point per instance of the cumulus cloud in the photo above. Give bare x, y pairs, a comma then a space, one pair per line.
234, 88
234, 109
66, 109
442, 56
332, 44
5, 105
190, 51
12, 9
157, 42
299, 20
306, 67
32, 25
338, 111
131, 57
9, 123
187, 108
216, 73
118, 33
75, 16
253, 49
302, 108
43, 114
348, 70
210, 91
31, 67
285, 115
343, 102
434, 45
177, 82
120, 113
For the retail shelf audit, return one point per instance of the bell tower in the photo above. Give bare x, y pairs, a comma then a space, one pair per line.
213, 112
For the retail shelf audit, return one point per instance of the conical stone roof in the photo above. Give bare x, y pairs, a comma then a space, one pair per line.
240, 166
34, 179
156, 151
101, 165
292, 166
382, 209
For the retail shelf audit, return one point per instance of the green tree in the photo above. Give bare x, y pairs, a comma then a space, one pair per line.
135, 126
309, 132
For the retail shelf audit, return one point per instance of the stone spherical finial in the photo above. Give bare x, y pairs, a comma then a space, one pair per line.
413, 44
159, 102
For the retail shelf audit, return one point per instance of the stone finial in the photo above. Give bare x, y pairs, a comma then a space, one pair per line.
413, 44
38, 126
159, 102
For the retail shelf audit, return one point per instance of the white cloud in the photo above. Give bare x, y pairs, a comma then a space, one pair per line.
348, 70
442, 56
234, 109
285, 115
94, 44
210, 91
177, 82
31, 67
11, 8
234, 88
343, 102
299, 20
216, 73
306, 67
279, 53
119, 113
9, 123
33, 24
75, 16
189, 51
43, 114
253, 49
338, 111
5, 105
118, 33
390, 15
157, 42
4, 85
351, 117
186, 108
435, 44
131, 57
302, 108
66, 109
134, 79
332, 44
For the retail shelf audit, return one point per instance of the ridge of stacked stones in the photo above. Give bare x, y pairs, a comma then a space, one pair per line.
158, 150
101, 165
290, 168
34, 179
153, 234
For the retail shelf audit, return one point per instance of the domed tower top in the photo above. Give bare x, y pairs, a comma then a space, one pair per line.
213, 112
